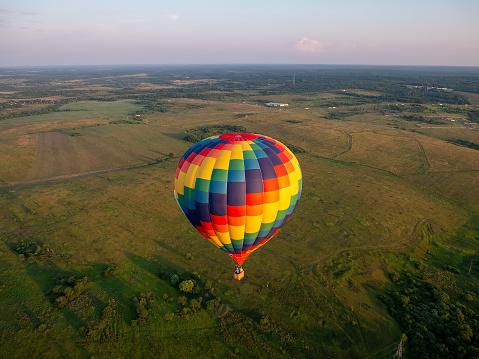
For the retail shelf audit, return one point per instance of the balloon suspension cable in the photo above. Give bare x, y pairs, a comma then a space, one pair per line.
233, 261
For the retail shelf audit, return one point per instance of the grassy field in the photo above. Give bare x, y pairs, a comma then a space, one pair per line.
82, 110
377, 201
473, 97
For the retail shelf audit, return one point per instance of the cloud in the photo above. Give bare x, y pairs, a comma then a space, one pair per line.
4, 15
309, 45
7, 16
315, 46
173, 17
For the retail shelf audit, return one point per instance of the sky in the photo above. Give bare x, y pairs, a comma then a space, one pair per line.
117, 32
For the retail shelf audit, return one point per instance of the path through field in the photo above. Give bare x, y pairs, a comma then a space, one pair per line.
60, 178
55, 156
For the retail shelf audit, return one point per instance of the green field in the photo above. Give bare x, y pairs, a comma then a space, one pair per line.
82, 110
384, 211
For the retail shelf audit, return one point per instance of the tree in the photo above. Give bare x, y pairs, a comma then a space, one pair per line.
195, 304
187, 286
404, 300
182, 300
174, 279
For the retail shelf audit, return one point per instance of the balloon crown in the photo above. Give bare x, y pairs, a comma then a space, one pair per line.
238, 137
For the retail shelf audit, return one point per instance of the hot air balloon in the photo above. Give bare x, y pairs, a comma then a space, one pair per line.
238, 190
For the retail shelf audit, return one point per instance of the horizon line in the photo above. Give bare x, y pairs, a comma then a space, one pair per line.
233, 64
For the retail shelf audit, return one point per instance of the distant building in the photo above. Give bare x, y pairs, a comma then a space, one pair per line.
276, 104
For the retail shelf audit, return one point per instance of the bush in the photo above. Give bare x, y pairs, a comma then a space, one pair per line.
295, 149
143, 305
200, 133
33, 249
42, 327
195, 304
109, 272
452, 269
68, 290
174, 279
394, 277
210, 304
469, 297
182, 300
404, 300
196, 275
420, 266
185, 310
208, 285
187, 286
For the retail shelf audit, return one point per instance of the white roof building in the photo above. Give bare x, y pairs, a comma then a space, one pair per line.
276, 104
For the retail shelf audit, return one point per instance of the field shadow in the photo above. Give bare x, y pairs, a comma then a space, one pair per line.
159, 267
167, 247
170, 249
159, 153
55, 283
176, 136
47, 275
34, 319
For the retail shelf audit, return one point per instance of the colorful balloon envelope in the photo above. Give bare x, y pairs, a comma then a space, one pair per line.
238, 190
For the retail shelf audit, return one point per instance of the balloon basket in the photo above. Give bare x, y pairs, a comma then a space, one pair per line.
240, 275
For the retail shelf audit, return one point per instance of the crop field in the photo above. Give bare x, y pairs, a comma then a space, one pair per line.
93, 245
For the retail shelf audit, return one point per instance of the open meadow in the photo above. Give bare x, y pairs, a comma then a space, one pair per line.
383, 246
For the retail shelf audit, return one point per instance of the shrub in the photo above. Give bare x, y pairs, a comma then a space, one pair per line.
33, 249
469, 297
404, 300
420, 265
42, 327
174, 279
394, 277
185, 310
452, 269
195, 304
143, 305
187, 286
196, 275
68, 290
200, 133
109, 272
208, 285
182, 300
210, 304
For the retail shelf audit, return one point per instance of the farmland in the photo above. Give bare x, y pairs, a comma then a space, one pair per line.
389, 210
